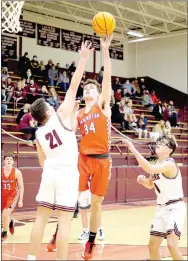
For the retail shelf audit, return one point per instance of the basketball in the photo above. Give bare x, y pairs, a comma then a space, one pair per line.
104, 23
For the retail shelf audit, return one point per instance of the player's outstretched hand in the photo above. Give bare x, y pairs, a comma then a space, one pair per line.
20, 203
105, 43
140, 179
86, 50
128, 143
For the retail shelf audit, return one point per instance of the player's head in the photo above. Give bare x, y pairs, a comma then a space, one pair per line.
41, 110
91, 90
9, 159
165, 146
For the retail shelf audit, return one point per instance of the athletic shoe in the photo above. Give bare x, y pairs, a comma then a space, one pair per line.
11, 226
3, 236
51, 247
84, 235
87, 254
100, 234
75, 215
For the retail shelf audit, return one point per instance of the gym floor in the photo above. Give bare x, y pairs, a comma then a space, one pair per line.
126, 228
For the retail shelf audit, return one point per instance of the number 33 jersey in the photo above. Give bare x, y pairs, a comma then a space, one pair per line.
9, 184
58, 143
95, 129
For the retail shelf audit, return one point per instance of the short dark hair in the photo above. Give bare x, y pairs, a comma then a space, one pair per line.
91, 81
9, 155
38, 110
169, 142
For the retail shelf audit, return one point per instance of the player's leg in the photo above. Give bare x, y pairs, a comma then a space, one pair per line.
172, 243
43, 215
6, 221
154, 247
51, 247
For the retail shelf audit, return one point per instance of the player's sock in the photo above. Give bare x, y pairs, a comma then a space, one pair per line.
86, 229
31, 257
92, 236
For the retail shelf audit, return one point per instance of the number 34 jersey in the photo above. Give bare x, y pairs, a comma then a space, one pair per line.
58, 143
95, 129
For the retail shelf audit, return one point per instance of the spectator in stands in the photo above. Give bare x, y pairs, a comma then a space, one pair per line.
4, 58
27, 124
57, 67
3, 85
147, 101
133, 89
19, 93
35, 66
158, 111
125, 93
49, 64
167, 132
9, 90
42, 69
53, 97
32, 91
24, 64
43, 92
173, 115
22, 111
157, 131
3, 106
52, 76
141, 126
118, 115
154, 97
5, 73
165, 111
136, 85
112, 99
116, 85
27, 77
129, 114
130, 88
72, 68
117, 95
63, 81
100, 75
142, 86
79, 94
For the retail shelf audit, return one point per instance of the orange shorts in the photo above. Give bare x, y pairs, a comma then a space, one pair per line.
9, 202
95, 170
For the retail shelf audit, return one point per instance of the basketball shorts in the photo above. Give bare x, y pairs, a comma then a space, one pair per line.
167, 219
9, 202
95, 170
59, 188
84, 200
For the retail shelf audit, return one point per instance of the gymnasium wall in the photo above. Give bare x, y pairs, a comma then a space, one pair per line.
162, 59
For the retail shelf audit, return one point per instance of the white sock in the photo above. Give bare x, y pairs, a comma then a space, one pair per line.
85, 230
31, 257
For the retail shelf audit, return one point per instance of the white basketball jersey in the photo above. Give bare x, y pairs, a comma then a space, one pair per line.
167, 188
58, 143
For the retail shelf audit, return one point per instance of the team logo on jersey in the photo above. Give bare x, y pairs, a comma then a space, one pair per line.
90, 117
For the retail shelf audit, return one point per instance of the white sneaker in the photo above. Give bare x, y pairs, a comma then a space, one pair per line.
101, 234
84, 235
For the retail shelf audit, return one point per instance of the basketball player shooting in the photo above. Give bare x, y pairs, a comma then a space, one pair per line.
58, 155
12, 192
165, 178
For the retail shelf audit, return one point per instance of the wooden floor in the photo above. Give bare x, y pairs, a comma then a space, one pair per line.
126, 235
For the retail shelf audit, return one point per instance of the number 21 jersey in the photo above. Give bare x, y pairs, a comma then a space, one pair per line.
95, 129
58, 143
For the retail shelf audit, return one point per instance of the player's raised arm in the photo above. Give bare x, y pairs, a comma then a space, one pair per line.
66, 108
105, 96
21, 187
166, 167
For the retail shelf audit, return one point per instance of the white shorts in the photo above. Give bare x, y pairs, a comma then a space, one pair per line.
84, 200
59, 188
167, 219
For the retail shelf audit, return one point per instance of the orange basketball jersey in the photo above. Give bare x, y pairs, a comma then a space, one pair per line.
95, 129
9, 185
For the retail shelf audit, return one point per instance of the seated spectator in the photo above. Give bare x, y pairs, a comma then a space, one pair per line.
72, 67
3, 106
22, 111
43, 93
58, 68
9, 90
3, 85
28, 76
35, 66
42, 69
4, 58
173, 115
19, 93
141, 126
27, 124
165, 111
130, 88
147, 101
142, 86
167, 132
53, 98
118, 117
5, 73
63, 81
32, 91
52, 76
100, 75
79, 94
158, 111
129, 114
125, 93
49, 64
157, 131
112, 99
117, 95
133, 90
116, 85
136, 85
24, 64
154, 97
